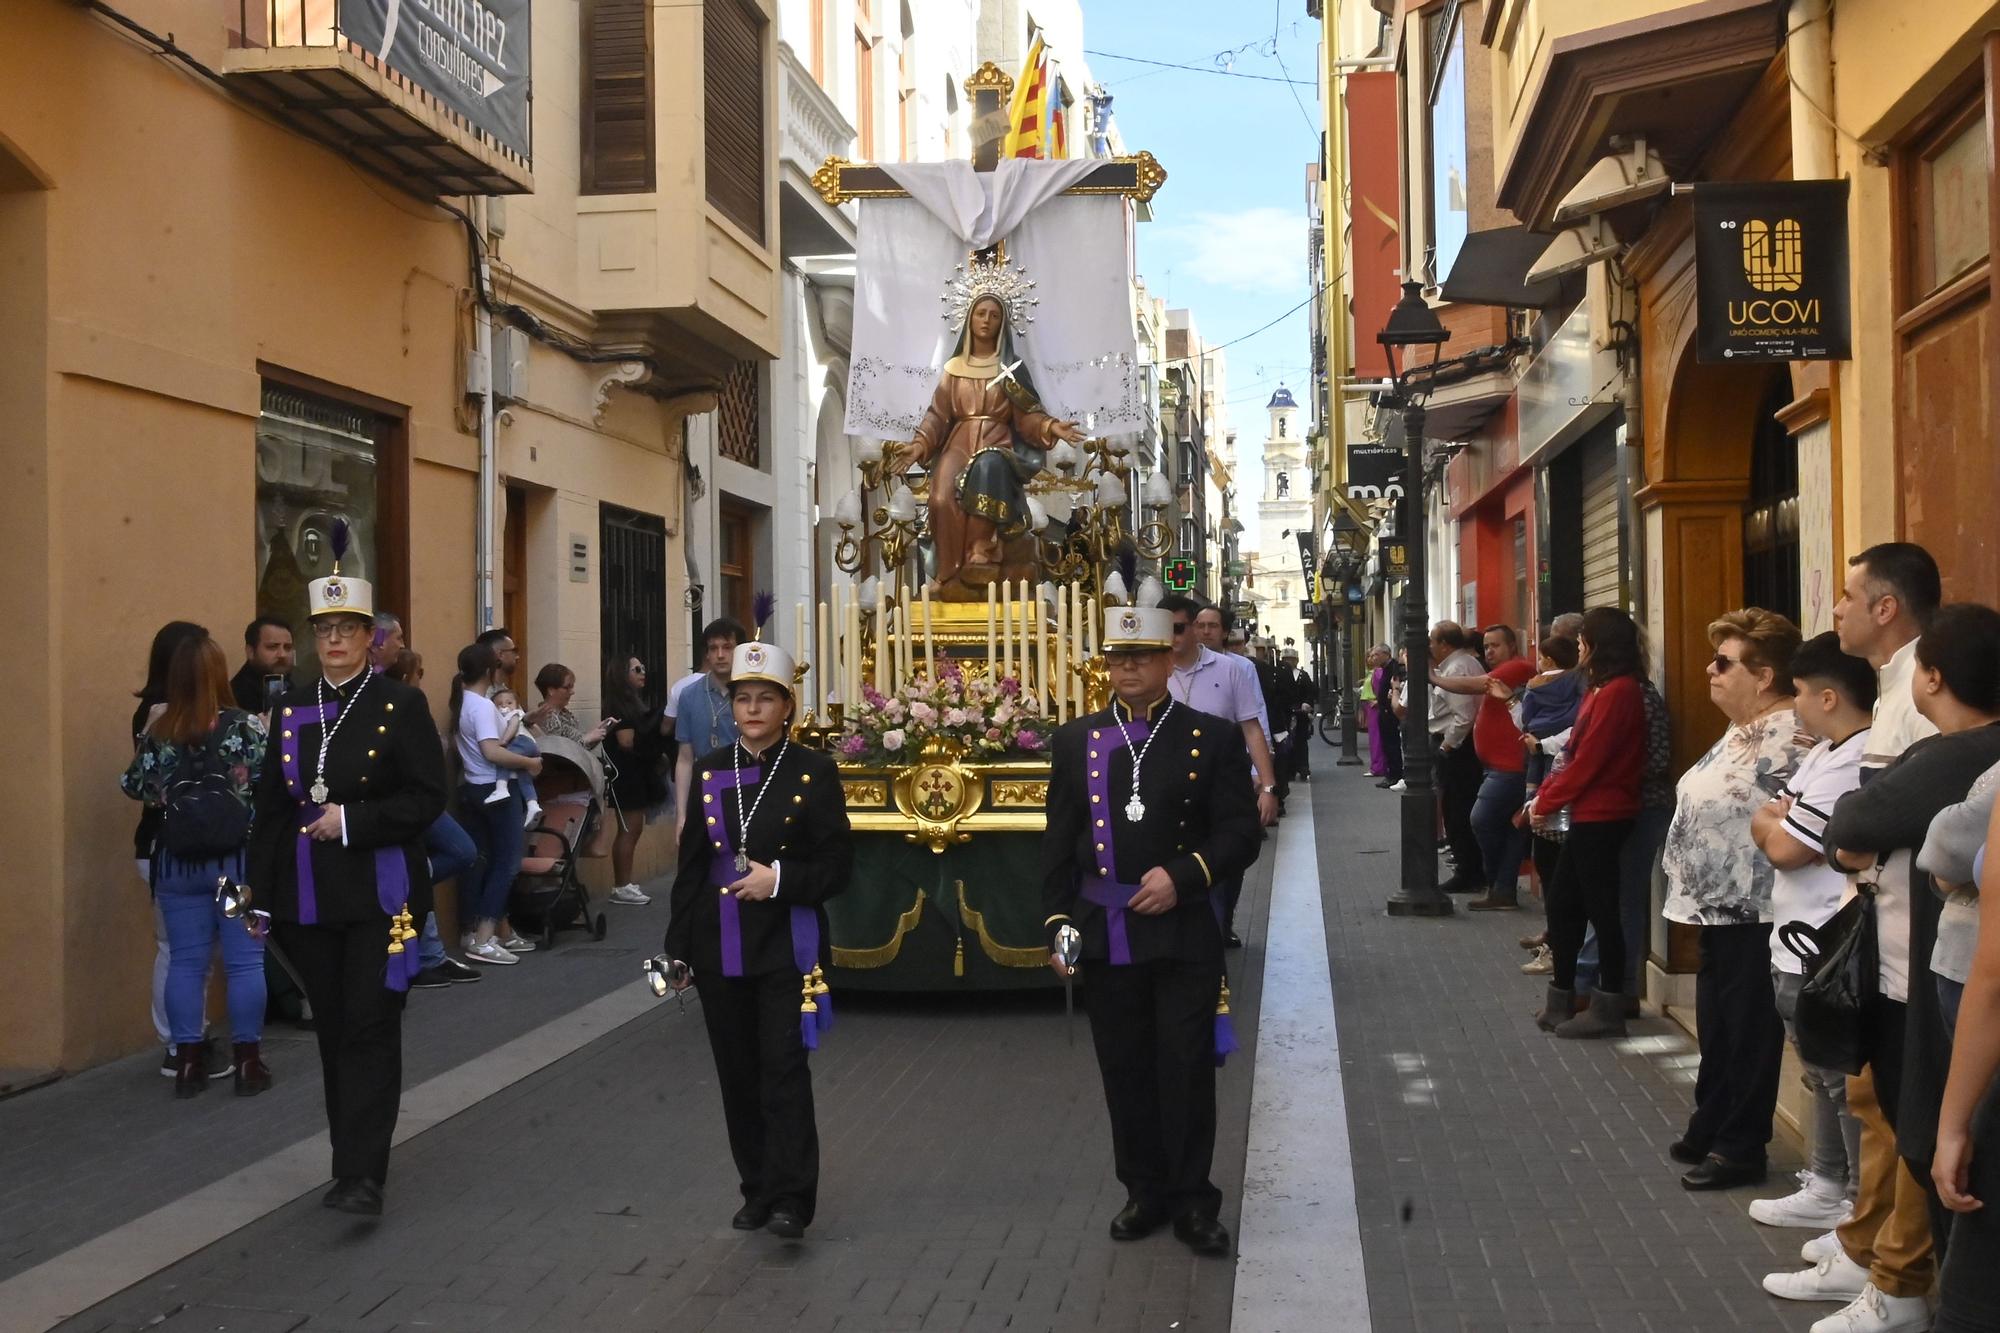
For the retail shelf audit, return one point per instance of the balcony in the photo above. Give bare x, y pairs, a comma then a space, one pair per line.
811, 129
292, 58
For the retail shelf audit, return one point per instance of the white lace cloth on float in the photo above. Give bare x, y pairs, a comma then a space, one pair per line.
1080, 349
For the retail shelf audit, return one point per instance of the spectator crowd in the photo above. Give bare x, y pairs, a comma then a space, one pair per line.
1829, 849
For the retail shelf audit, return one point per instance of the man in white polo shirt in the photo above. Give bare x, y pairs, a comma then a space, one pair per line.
1225, 686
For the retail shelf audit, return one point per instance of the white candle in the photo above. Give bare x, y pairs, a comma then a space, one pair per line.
820, 659
1044, 641
930, 641
992, 634
881, 646
799, 641
1076, 633
1027, 645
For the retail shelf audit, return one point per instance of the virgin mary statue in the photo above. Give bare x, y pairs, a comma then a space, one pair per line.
985, 435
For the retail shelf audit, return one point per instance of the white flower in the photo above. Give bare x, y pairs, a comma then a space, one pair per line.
892, 739
954, 717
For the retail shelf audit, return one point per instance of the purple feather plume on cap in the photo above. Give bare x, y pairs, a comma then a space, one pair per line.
339, 540
761, 608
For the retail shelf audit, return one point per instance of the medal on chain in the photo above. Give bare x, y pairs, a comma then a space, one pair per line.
1135, 808
742, 819
318, 792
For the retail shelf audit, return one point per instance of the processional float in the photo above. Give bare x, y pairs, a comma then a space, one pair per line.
997, 396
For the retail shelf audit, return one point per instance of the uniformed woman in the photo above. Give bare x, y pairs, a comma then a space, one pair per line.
353, 776
763, 849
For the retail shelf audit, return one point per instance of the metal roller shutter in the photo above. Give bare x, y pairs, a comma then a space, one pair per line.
1603, 557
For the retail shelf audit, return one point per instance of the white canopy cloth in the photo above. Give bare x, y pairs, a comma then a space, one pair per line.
1080, 349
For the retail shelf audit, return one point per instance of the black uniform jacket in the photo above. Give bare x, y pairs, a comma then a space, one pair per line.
386, 773
1200, 824
801, 827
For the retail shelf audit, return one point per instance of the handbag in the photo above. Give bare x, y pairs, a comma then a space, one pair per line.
204, 820
1841, 982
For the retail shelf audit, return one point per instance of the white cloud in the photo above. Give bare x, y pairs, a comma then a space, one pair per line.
1251, 250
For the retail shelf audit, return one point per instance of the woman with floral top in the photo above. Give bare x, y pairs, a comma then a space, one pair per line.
197, 730
1718, 880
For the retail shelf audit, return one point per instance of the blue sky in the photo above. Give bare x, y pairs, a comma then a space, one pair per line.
1228, 236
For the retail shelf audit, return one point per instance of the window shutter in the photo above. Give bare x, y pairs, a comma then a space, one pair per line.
733, 109
618, 97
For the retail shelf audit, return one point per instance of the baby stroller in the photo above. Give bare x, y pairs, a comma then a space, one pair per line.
549, 893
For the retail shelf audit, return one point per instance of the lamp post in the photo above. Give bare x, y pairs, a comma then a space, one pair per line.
1412, 326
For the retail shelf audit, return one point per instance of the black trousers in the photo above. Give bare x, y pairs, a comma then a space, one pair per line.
1391, 728
1458, 777
1742, 1040
767, 1097
1585, 892
1154, 1028
359, 1022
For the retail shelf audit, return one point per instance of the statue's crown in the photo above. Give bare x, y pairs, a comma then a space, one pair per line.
1009, 284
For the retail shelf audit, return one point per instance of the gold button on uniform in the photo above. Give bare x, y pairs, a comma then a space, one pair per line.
288, 735
711, 819
1194, 754
388, 708
371, 754
798, 800
706, 776
706, 799
805, 777
1197, 733
1093, 798
381, 731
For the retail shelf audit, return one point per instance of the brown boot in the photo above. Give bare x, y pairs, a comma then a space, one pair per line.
252, 1074
190, 1069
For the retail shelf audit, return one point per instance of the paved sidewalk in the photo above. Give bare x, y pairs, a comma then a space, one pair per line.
1508, 1180
966, 1185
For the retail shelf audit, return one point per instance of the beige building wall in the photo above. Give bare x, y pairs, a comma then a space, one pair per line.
161, 246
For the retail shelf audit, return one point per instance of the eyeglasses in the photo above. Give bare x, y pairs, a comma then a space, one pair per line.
339, 629
1722, 662
1180, 628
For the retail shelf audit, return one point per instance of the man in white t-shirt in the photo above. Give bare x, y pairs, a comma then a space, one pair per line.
1835, 695
1880, 1259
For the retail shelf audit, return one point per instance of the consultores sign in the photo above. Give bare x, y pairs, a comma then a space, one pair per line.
1771, 271
472, 55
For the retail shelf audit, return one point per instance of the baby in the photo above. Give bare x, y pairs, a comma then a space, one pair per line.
521, 741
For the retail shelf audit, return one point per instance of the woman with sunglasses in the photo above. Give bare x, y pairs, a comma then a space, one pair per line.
1718, 879
635, 751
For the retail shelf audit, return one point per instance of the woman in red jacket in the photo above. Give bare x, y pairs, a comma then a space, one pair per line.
1598, 783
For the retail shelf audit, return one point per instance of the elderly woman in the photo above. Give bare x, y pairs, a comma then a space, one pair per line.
557, 684
1718, 880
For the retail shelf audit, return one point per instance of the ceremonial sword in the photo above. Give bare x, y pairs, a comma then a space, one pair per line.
1069, 948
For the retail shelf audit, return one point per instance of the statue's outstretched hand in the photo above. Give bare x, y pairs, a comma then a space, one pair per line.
1069, 430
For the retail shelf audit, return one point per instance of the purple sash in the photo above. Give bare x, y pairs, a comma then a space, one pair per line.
722, 872
392, 871
1104, 889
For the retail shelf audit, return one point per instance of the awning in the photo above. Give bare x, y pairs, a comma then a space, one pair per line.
1492, 269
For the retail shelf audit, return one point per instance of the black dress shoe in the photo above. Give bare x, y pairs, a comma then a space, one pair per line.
363, 1198
751, 1217
1203, 1235
1719, 1173
1683, 1150
1235, 941
1463, 884
457, 971
1136, 1221
785, 1221
336, 1192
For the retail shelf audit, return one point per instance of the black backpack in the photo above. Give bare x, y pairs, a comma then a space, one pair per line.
204, 821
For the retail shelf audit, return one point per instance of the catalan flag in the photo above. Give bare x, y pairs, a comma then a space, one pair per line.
1034, 121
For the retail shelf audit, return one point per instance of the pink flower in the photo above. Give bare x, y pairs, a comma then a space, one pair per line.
855, 744
1010, 686
1004, 713
923, 712
871, 696
892, 739
1028, 740
993, 733
955, 717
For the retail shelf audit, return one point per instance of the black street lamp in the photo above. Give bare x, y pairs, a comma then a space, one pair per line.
1413, 325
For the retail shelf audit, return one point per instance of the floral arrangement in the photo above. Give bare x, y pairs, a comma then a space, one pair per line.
985, 718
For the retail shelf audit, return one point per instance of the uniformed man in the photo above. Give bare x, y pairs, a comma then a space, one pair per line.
354, 776
763, 848
1150, 807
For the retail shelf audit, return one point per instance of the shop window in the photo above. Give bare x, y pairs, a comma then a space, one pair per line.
319, 461
1771, 515
632, 590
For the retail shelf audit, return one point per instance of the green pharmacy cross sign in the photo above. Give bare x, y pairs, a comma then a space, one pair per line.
1180, 573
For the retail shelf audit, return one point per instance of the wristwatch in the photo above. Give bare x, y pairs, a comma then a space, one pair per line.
1268, 791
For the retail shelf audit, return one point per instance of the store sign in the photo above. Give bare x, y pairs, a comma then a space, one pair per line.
472, 55
1306, 560
1394, 558
1180, 573
1771, 271
1569, 387
1375, 471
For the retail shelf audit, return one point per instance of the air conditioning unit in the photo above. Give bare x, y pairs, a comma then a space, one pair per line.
510, 364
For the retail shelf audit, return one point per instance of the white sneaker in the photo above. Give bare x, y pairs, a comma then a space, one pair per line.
1399, 785
1819, 1203
500, 792
1834, 1278
1874, 1312
630, 895
534, 814
1820, 1246
1541, 962
488, 952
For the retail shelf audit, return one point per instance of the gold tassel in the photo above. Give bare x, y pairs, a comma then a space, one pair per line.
819, 981
958, 958
400, 930
806, 1005
1222, 1000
